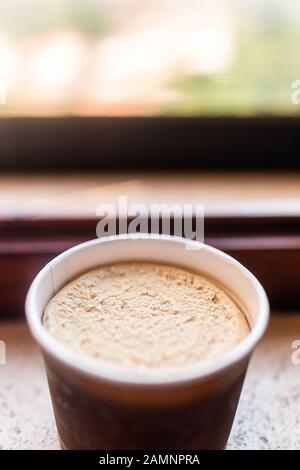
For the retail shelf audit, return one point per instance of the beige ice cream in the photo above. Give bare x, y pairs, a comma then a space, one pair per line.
144, 314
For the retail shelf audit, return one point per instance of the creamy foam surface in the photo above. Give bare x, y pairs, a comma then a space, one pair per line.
144, 314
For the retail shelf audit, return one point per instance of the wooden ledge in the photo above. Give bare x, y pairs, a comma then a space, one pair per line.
253, 217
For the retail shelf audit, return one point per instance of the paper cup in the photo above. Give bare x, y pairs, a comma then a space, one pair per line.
99, 405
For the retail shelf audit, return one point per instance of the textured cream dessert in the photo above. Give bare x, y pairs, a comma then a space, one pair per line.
143, 314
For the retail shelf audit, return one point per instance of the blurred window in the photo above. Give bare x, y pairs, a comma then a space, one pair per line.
148, 57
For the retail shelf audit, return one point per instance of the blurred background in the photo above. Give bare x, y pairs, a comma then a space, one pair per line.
149, 58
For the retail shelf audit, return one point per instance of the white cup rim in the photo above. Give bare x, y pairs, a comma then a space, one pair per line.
101, 371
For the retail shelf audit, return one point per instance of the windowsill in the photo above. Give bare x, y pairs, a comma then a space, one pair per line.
255, 217
263, 194
267, 417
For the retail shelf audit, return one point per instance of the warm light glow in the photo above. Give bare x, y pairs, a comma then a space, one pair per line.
136, 67
208, 50
54, 64
7, 67
129, 66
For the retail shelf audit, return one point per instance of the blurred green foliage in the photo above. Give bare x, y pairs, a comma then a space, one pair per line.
258, 82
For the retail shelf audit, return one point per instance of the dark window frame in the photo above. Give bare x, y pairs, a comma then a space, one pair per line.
155, 143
